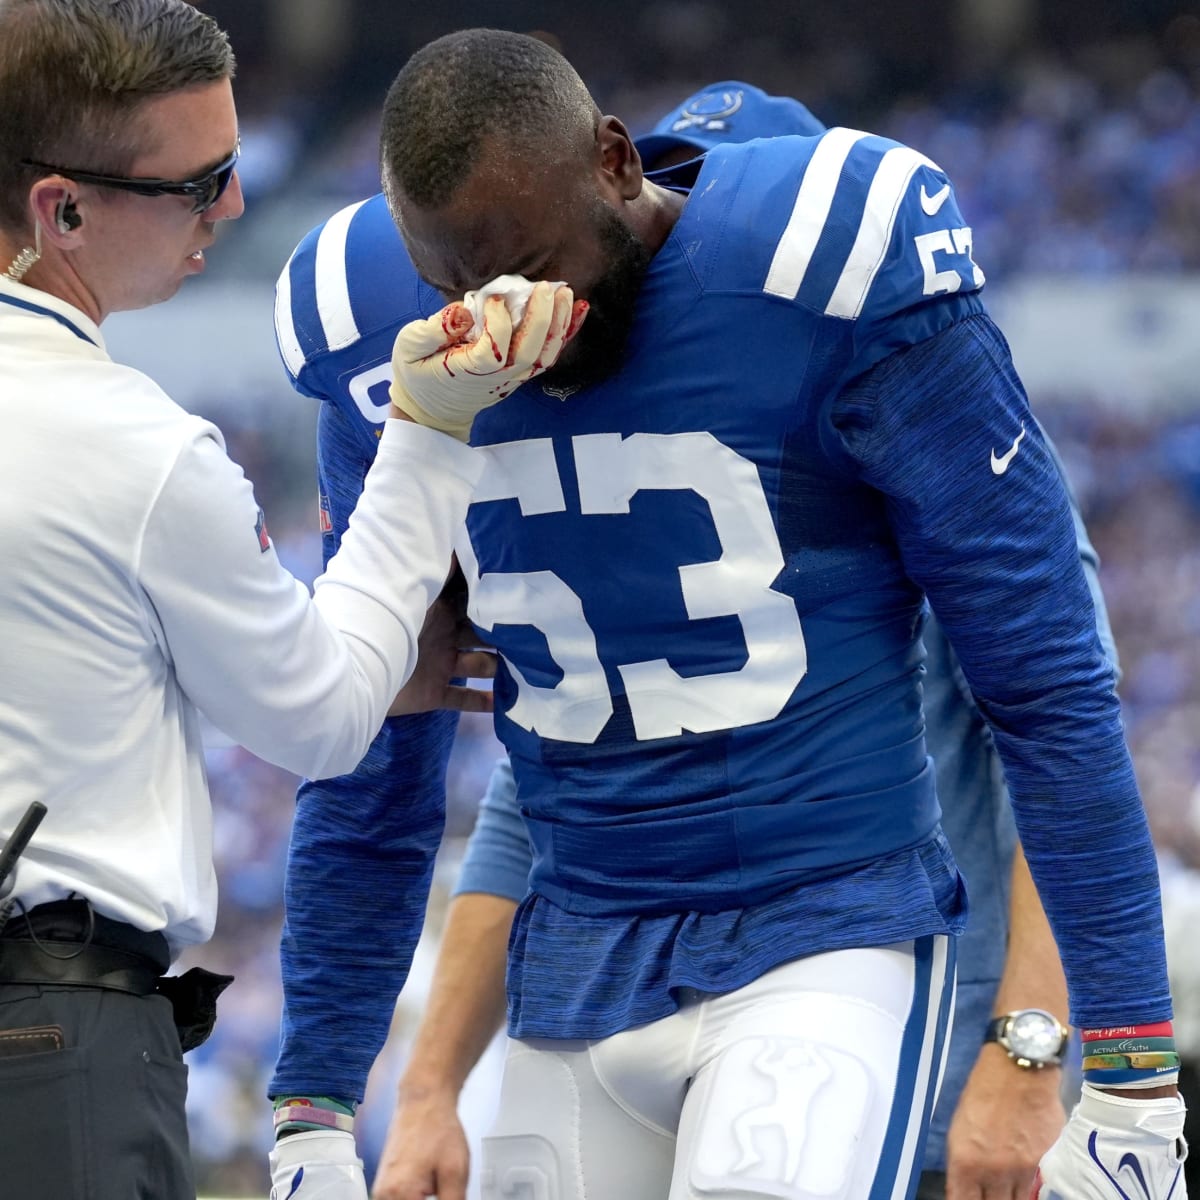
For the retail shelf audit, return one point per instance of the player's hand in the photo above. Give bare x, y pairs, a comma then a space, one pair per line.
319, 1165
442, 380
425, 1153
1006, 1119
1113, 1146
446, 649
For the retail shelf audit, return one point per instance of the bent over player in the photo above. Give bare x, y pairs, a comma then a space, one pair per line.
1007, 961
702, 547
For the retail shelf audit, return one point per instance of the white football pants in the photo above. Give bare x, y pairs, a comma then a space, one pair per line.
815, 1081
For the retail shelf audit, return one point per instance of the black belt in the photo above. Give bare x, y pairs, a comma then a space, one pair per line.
75, 921
66, 944
46, 963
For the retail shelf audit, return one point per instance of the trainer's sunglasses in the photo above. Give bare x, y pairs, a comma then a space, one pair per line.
204, 191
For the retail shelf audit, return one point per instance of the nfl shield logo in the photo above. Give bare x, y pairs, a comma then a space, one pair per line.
260, 527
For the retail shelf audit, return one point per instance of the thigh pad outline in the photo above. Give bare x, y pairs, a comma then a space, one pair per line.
784, 1117
520, 1167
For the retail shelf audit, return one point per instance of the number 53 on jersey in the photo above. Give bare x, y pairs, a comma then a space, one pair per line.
610, 471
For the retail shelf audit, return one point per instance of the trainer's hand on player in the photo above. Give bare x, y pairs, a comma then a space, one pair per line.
1006, 1119
319, 1165
446, 649
443, 380
1116, 1146
426, 1151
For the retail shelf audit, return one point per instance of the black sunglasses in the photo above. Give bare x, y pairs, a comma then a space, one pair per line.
204, 191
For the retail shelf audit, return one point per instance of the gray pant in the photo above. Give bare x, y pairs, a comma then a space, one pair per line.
103, 1117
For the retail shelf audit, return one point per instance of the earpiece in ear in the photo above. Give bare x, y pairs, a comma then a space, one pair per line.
67, 216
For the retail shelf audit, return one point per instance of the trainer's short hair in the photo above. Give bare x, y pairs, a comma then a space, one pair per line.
465, 87
73, 73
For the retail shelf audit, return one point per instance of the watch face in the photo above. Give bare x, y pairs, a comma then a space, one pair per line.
1035, 1035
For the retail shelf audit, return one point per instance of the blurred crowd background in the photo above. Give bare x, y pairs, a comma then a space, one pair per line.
1073, 135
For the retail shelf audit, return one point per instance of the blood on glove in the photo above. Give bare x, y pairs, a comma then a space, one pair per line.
449, 367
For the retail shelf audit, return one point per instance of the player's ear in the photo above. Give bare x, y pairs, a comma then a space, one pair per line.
619, 160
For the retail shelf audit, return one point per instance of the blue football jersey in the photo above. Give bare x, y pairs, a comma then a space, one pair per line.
710, 685
705, 576
753, 589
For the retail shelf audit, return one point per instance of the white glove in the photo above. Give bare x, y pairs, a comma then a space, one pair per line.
1113, 1146
443, 381
321, 1164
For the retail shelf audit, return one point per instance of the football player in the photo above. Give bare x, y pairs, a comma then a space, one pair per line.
699, 550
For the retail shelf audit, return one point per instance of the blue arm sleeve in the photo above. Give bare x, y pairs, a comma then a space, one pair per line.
498, 857
1090, 561
359, 863
996, 552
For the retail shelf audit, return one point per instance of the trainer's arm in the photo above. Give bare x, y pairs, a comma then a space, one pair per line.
1008, 1117
302, 681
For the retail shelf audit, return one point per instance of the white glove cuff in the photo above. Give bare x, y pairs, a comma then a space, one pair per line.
1160, 1116
317, 1145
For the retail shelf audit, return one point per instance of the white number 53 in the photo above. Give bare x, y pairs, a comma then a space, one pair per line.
610, 471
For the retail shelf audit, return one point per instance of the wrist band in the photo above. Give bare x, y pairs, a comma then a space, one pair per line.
298, 1114
1148, 1045
1138, 1056
1108, 1033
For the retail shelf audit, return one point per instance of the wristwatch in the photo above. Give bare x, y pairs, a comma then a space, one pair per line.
1032, 1037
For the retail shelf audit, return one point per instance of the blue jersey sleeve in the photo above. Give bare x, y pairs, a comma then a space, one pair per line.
498, 856
978, 820
360, 860
359, 868
361, 855
1089, 560
983, 523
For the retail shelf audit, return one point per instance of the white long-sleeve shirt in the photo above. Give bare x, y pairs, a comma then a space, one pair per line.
138, 585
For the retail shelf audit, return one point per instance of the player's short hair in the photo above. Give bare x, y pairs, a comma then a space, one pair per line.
465, 87
73, 73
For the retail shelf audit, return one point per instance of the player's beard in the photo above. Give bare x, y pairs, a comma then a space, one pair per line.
598, 348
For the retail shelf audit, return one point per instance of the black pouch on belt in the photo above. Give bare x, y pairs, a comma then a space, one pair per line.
193, 996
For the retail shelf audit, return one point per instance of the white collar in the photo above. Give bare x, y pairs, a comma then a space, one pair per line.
18, 296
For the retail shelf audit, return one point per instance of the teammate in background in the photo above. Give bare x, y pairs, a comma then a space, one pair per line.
140, 586
821, 793
1010, 1114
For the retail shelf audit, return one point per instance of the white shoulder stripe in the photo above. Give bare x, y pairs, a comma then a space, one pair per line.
887, 190
810, 213
332, 280
285, 326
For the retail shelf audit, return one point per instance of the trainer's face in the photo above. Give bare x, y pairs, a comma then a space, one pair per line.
137, 250
559, 224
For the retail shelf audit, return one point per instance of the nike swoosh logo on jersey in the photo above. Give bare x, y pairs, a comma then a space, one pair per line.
932, 204
1000, 462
